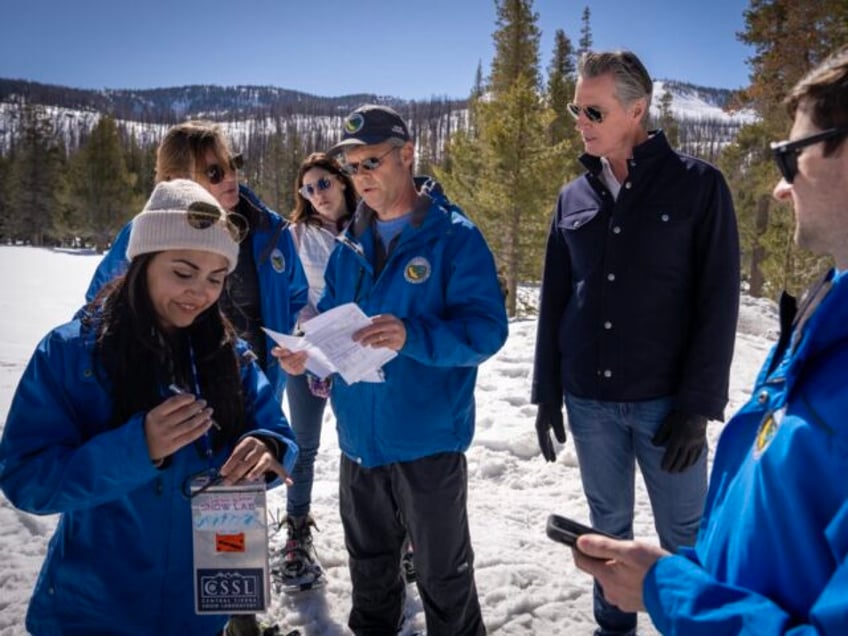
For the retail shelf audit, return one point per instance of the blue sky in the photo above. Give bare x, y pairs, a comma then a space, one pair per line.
404, 49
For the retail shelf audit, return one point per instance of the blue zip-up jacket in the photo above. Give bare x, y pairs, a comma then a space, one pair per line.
772, 552
120, 561
283, 288
440, 280
640, 294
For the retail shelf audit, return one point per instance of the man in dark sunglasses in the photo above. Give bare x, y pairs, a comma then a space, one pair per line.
638, 311
423, 271
772, 553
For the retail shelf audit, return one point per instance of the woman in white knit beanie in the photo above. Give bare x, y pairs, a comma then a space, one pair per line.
97, 434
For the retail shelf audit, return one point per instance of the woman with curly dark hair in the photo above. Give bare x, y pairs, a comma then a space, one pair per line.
324, 202
119, 409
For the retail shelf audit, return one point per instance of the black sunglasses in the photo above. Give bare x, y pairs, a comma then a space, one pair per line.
370, 164
201, 216
215, 173
309, 191
593, 113
786, 153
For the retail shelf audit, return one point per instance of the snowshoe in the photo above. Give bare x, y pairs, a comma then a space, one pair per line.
298, 569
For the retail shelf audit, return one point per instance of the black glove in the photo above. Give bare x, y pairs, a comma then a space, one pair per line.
549, 416
684, 436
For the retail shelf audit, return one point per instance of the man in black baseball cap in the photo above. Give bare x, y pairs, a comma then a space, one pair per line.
423, 271
371, 124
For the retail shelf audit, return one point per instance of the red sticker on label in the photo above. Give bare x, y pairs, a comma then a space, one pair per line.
229, 542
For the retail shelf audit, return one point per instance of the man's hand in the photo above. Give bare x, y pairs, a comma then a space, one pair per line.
684, 436
549, 416
385, 331
619, 566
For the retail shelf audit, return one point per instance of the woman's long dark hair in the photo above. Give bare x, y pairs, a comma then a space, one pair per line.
303, 211
138, 360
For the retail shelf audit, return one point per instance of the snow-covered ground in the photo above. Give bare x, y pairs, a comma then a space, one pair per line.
527, 584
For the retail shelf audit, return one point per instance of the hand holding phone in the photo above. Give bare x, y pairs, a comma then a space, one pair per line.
565, 530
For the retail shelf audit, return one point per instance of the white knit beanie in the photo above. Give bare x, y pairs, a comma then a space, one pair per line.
181, 215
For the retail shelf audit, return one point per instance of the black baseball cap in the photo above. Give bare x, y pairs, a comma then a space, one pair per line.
371, 124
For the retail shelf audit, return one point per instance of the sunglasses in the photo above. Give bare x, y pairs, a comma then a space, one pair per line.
593, 113
202, 216
786, 153
215, 173
308, 191
370, 164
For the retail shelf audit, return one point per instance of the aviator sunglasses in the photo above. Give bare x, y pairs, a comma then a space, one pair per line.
593, 113
308, 191
215, 173
786, 153
370, 164
202, 216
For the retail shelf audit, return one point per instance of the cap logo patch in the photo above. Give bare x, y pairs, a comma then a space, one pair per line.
278, 261
417, 270
354, 123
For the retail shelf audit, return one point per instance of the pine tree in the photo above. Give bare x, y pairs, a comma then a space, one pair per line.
103, 188
5, 192
276, 172
479, 87
788, 38
516, 46
561, 80
37, 179
503, 170
667, 122
585, 42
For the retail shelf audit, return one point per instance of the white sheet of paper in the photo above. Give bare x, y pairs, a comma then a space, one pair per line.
328, 341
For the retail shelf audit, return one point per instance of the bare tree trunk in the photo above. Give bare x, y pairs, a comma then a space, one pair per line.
758, 251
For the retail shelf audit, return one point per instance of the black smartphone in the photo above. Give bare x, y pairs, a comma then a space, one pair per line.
567, 530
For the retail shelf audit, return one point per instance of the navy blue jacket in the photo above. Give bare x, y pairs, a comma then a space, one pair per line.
640, 295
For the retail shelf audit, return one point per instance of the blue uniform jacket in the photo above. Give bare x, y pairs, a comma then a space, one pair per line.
441, 281
772, 552
283, 289
640, 294
120, 561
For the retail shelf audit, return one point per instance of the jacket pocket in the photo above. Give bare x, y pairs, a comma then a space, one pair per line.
578, 218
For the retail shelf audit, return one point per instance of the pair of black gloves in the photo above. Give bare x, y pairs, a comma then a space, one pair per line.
684, 436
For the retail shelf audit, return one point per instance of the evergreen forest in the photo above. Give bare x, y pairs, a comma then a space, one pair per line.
76, 165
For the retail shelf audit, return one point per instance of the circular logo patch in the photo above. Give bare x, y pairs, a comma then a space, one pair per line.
354, 123
278, 261
417, 270
767, 431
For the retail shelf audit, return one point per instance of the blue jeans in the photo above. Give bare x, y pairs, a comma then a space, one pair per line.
610, 437
306, 412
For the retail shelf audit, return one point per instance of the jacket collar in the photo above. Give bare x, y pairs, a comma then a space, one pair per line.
365, 217
652, 148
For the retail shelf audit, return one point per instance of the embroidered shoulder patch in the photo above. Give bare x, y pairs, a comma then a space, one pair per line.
767, 431
417, 270
278, 261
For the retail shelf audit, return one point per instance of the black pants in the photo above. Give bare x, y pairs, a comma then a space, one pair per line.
426, 499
